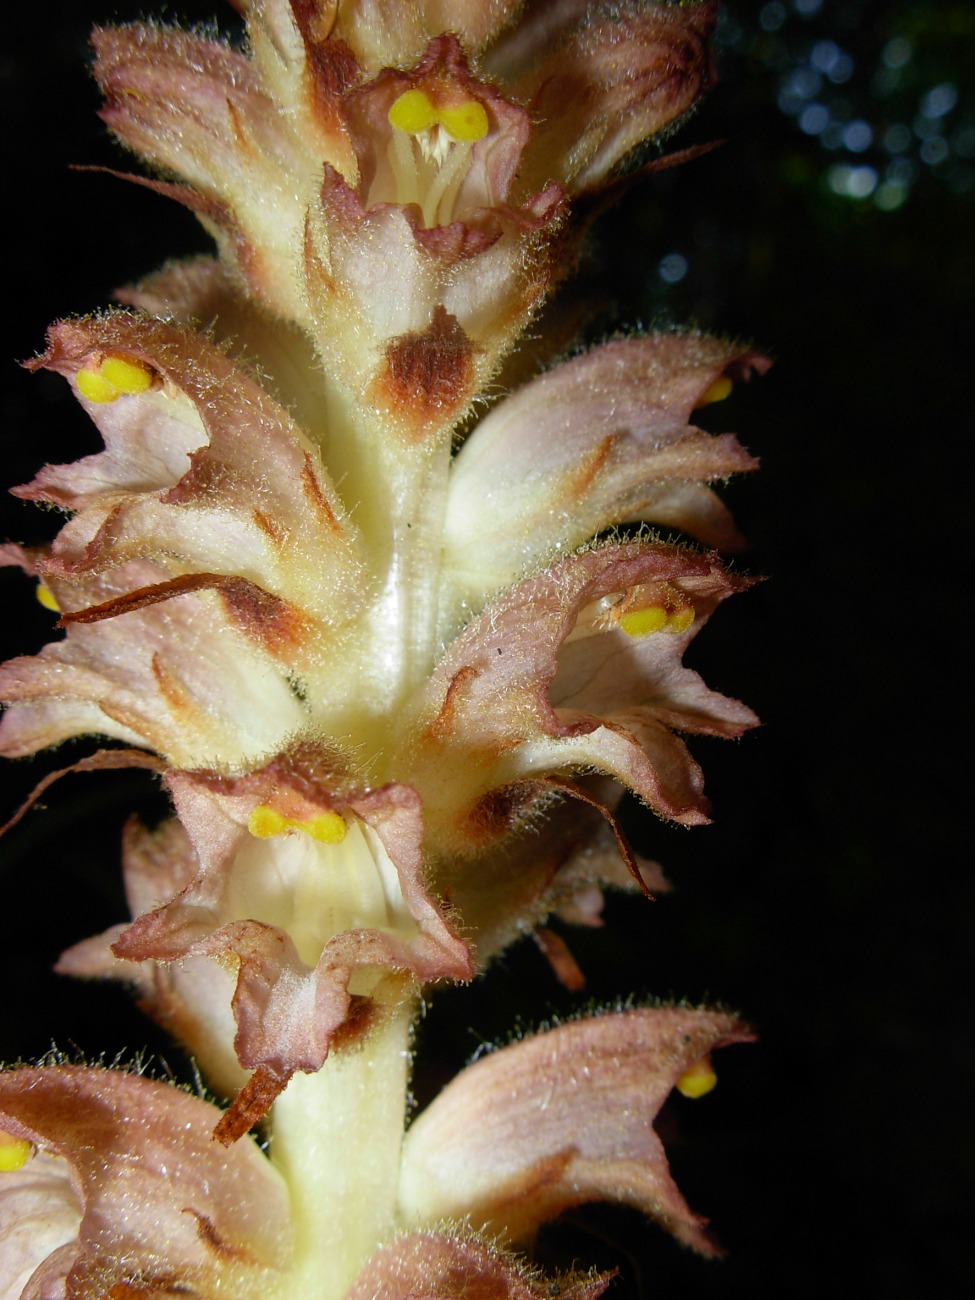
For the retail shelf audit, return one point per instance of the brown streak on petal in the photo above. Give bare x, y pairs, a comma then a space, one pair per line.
219, 1245
584, 473
250, 1105
241, 139
442, 725
209, 209
335, 71
153, 1286
342, 208
271, 528
313, 492
331, 67
541, 1174
271, 621
203, 205
605, 193
427, 374
100, 546
169, 687
454, 242
205, 477
309, 774
141, 597
105, 758
315, 18
266, 618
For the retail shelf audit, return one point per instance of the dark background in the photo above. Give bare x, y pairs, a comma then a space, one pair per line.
831, 901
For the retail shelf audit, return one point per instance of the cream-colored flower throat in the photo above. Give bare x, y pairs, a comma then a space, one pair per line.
429, 151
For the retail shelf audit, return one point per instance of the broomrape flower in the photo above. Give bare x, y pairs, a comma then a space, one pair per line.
394, 667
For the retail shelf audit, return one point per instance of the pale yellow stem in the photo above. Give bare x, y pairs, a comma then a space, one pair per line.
336, 1139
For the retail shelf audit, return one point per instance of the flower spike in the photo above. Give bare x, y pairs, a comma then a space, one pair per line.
395, 641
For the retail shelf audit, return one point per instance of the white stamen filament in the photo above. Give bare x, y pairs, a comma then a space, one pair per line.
437, 210
402, 160
429, 169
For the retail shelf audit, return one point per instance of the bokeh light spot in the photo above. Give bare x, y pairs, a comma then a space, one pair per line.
672, 268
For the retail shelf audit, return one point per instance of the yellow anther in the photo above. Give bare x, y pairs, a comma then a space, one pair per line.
680, 620
413, 112
264, 822
14, 1153
327, 827
94, 387
641, 622
718, 391
467, 121
130, 377
698, 1079
115, 376
46, 598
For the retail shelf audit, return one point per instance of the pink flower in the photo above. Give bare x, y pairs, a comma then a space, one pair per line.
286, 897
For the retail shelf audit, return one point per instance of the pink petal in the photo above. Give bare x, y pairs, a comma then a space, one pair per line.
373, 280
179, 99
249, 900
494, 160
181, 678
154, 1200
200, 292
537, 685
191, 998
612, 84
559, 1119
197, 108
597, 441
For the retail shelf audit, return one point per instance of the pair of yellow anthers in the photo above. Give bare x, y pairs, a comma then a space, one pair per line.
113, 378
655, 618
414, 112
326, 828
